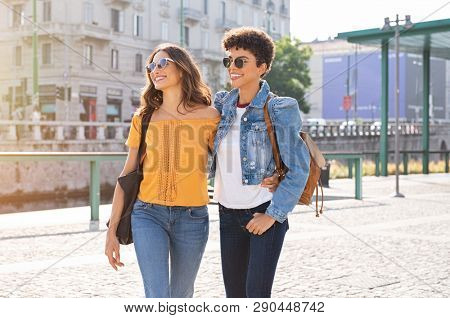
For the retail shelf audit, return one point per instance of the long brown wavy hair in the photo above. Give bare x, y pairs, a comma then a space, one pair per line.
194, 89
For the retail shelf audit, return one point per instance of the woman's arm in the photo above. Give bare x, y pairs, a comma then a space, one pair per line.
294, 153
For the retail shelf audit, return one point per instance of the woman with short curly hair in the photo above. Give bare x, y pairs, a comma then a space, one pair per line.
253, 220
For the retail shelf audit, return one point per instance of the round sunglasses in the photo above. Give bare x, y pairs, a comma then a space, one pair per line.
162, 63
238, 62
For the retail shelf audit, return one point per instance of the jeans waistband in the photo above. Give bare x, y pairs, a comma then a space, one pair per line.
260, 208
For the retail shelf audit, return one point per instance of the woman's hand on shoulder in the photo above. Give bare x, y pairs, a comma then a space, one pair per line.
208, 112
211, 112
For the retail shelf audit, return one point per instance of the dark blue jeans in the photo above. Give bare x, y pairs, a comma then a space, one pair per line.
249, 261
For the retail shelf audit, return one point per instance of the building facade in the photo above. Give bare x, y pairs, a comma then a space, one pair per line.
92, 53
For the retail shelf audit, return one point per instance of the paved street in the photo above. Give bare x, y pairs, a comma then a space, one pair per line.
378, 247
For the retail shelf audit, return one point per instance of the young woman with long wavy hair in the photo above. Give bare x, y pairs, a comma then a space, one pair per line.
170, 216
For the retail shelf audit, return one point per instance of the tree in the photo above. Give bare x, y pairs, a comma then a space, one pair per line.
289, 75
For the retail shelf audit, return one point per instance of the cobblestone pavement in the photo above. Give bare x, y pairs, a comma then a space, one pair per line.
378, 247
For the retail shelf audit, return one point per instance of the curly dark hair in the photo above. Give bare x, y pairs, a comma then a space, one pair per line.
255, 40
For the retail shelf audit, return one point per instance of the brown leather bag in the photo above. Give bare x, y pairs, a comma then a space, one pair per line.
317, 161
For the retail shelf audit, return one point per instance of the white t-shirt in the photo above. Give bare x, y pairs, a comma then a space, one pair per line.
228, 188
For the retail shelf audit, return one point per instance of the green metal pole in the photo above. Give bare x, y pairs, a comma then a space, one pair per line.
384, 106
35, 60
181, 23
350, 168
405, 163
446, 162
377, 165
94, 189
426, 110
358, 178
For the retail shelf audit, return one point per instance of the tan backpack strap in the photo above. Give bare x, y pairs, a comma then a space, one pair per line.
321, 190
317, 201
273, 141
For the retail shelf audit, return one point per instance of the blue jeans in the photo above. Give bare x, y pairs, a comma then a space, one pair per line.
249, 261
161, 231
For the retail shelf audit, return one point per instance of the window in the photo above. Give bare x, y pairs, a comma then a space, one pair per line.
138, 25
138, 63
223, 4
205, 40
46, 53
18, 56
205, 6
186, 35
88, 12
117, 20
283, 8
17, 16
273, 27
164, 31
204, 69
87, 55
239, 15
47, 14
255, 19
114, 59
282, 28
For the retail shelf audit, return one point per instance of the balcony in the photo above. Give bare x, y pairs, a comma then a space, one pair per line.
55, 29
165, 3
208, 55
192, 15
122, 3
270, 6
226, 24
93, 31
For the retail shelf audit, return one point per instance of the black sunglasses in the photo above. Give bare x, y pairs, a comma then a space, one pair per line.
238, 62
161, 64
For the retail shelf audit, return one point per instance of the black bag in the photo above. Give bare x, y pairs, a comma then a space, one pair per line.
130, 184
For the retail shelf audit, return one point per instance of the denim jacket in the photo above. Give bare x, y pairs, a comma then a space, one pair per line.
256, 153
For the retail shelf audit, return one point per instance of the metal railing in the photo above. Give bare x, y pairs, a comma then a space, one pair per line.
352, 159
366, 129
406, 157
80, 130
93, 157
61, 130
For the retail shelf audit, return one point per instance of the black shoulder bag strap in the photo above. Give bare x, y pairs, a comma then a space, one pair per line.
142, 145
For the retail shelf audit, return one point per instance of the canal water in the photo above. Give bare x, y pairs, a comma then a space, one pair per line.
28, 204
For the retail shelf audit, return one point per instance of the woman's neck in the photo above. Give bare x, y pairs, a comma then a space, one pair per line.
248, 92
171, 99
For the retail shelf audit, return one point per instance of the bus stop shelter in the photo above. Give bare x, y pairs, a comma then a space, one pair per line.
428, 39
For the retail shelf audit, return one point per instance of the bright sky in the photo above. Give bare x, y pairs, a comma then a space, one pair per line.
311, 19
